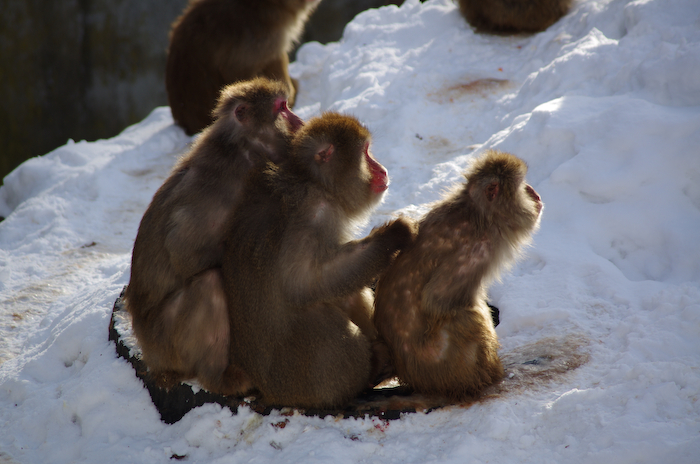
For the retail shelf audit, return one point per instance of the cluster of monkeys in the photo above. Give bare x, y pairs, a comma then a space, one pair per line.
219, 42
245, 274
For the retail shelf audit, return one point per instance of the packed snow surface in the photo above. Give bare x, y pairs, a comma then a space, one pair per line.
605, 108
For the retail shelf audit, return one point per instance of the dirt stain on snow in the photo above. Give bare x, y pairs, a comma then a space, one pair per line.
480, 88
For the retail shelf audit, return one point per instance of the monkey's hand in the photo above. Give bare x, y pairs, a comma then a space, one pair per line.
398, 234
348, 269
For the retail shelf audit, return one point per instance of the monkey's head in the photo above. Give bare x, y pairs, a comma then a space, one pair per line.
256, 112
335, 150
496, 184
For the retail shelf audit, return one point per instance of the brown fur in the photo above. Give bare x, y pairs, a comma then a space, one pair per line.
175, 294
429, 304
294, 276
513, 16
219, 42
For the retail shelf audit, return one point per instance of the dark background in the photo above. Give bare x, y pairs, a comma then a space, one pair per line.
87, 69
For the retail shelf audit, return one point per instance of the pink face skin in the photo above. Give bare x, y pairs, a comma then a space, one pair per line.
293, 120
380, 178
531, 191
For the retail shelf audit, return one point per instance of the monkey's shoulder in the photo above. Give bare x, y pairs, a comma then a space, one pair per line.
454, 212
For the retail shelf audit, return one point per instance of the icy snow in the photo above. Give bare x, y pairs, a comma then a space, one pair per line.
605, 108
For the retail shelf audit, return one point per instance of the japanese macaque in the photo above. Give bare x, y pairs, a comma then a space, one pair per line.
513, 16
219, 42
175, 295
430, 304
293, 276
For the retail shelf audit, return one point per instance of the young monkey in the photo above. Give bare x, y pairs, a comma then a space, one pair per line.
430, 304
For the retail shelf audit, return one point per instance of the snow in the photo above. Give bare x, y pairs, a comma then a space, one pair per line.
605, 108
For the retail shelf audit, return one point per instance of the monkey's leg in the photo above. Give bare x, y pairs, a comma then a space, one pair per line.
324, 362
359, 308
196, 318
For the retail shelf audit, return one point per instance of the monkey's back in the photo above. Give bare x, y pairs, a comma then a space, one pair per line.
513, 16
166, 253
150, 257
218, 42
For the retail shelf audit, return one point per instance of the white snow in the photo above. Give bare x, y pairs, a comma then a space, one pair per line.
605, 108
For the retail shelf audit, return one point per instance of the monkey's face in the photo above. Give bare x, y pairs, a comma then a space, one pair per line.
254, 117
379, 178
336, 150
359, 179
535, 197
285, 119
256, 104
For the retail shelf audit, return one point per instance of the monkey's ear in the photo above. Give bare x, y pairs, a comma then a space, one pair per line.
491, 191
240, 112
324, 154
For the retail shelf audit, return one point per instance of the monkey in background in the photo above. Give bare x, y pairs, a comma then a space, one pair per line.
513, 16
175, 295
430, 304
219, 42
293, 276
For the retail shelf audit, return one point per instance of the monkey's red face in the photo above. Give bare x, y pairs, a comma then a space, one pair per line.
294, 122
380, 178
535, 196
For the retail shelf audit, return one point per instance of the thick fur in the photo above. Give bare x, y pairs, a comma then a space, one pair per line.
513, 16
219, 42
175, 295
295, 279
429, 305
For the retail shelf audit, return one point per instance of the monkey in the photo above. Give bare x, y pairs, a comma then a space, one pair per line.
294, 277
219, 42
513, 16
430, 304
175, 293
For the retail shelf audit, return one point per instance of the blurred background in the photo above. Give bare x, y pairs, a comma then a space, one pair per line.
87, 69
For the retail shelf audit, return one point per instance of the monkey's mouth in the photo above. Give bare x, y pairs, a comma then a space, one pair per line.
294, 121
380, 185
534, 195
380, 178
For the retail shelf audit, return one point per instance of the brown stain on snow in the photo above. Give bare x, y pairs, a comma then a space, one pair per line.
480, 88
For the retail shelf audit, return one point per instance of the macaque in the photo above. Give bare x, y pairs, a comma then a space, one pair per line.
430, 304
513, 16
294, 277
175, 295
219, 42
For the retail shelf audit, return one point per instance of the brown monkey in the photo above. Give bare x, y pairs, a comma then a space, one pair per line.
513, 16
295, 277
175, 294
430, 304
219, 42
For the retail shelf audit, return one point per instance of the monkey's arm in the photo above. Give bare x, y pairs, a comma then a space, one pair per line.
191, 247
347, 269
